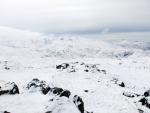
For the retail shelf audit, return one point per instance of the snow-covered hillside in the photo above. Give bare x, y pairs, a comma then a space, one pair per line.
107, 76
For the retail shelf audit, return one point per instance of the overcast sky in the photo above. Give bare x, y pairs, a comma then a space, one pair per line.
76, 16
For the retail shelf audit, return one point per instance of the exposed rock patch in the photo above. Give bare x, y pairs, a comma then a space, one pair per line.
118, 82
8, 88
38, 85
130, 94
61, 97
145, 100
80, 66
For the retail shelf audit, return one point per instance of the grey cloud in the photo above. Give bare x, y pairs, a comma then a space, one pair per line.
76, 16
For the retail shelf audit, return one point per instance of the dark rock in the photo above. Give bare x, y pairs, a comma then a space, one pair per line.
115, 80
4, 92
98, 81
79, 103
140, 111
82, 63
46, 90
91, 68
61, 92
73, 67
6, 68
86, 91
58, 67
87, 112
72, 70
122, 84
37, 84
9, 88
147, 93
62, 66
65, 93
130, 95
143, 101
15, 89
48, 112
56, 90
86, 70
104, 71
6, 112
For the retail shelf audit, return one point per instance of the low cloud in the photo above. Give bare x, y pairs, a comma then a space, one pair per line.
76, 16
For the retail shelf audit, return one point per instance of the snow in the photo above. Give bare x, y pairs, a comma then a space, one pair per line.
36, 56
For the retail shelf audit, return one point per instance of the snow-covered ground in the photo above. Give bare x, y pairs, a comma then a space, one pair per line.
25, 55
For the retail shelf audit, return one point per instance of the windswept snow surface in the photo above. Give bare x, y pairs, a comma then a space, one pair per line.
25, 55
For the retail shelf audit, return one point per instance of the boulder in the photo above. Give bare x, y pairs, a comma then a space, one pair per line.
147, 93
62, 66
65, 93
38, 85
79, 103
8, 88
145, 102
122, 84
61, 92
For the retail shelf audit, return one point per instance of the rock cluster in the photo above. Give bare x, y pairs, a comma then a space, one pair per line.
8, 88
41, 86
80, 66
59, 100
130, 94
118, 82
145, 100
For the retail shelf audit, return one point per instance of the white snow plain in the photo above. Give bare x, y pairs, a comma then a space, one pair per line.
31, 55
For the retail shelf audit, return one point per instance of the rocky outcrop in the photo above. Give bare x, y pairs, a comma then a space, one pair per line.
118, 82
58, 94
4, 112
38, 85
79, 103
60, 100
41, 86
80, 66
145, 100
8, 88
130, 94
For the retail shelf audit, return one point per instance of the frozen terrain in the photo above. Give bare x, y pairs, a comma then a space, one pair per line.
110, 76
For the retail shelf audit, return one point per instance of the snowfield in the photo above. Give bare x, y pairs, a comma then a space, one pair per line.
100, 76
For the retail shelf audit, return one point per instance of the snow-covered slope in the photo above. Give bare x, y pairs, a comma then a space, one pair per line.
105, 74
